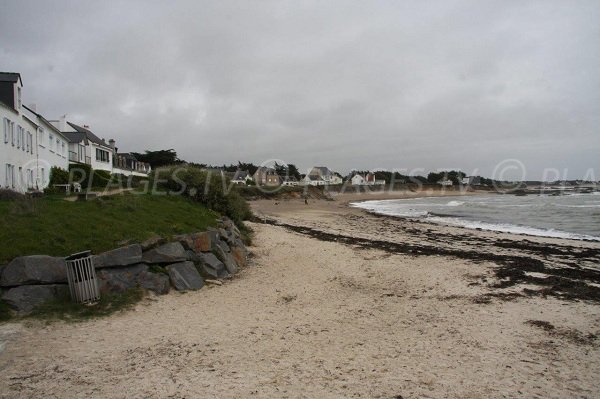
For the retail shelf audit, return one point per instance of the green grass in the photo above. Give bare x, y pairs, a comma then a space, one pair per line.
65, 309
53, 226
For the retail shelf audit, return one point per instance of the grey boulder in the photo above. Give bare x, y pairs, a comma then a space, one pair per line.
155, 282
184, 276
120, 279
123, 256
167, 253
26, 298
212, 266
36, 269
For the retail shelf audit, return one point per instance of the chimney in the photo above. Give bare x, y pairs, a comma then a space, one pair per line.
111, 143
86, 126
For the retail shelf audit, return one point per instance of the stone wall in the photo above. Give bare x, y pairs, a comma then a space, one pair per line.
155, 265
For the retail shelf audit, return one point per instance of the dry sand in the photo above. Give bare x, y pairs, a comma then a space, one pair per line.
324, 319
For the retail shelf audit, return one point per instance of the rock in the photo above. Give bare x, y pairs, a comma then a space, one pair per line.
197, 242
36, 269
223, 245
227, 259
119, 279
193, 257
156, 282
152, 242
184, 276
167, 253
25, 298
212, 266
123, 256
240, 255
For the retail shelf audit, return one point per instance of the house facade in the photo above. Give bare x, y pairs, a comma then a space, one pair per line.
325, 175
368, 179
30, 145
265, 176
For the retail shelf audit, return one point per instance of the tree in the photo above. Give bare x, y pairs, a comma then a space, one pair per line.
158, 158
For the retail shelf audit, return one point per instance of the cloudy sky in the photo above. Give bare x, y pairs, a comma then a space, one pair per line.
404, 85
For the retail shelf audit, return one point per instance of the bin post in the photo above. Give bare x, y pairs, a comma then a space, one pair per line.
83, 283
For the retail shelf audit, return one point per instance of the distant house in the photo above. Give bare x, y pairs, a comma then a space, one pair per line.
368, 179
241, 177
324, 174
290, 181
358, 180
445, 182
471, 180
313, 180
30, 145
126, 163
265, 176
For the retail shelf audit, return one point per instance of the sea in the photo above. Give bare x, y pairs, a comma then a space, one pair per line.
573, 216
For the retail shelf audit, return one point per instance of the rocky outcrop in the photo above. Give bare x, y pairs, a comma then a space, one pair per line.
123, 256
211, 267
167, 253
35, 269
25, 298
184, 276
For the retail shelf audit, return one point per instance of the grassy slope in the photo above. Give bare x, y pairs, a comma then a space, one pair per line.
56, 227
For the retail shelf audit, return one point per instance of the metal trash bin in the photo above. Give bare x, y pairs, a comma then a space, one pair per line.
81, 274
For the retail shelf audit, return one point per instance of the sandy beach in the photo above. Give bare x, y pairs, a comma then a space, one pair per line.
339, 303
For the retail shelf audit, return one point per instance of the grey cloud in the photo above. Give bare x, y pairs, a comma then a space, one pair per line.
400, 85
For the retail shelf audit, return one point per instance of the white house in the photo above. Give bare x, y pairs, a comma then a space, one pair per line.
30, 146
366, 180
323, 174
357, 180
445, 182
313, 180
85, 146
240, 177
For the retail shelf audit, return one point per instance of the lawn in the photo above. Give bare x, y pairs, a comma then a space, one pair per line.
53, 226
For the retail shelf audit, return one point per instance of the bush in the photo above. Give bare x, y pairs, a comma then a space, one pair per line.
208, 188
82, 173
10, 195
58, 176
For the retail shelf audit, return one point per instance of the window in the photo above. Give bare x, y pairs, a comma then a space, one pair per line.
19, 136
57, 145
43, 177
63, 148
19, 97
50, 141
10, 175
102, 155
6, 127
41, 137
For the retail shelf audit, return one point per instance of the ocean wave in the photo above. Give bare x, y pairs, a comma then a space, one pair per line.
455, 203
510, 228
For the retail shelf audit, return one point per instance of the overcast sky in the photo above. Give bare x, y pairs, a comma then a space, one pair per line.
365, 84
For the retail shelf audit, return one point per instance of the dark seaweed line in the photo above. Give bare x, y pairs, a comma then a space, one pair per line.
562, 282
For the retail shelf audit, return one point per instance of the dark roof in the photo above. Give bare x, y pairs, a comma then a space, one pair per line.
42, 118
321, 170
75, 137
240, 175
10, 77
88, 134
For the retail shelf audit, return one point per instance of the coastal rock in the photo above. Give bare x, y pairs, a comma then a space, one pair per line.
197, 242
123, 256
36, 269
184, 276
156, 282
152, 242
167, 253
120, 279
25, 298
240, 255
227, 259
212, 266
